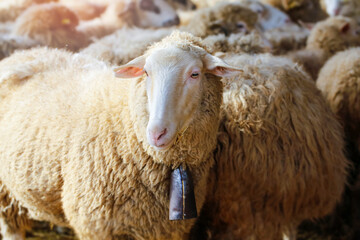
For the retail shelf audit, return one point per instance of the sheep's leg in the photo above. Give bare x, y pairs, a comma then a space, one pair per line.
13, 218
90, 229
8, 233
290, 234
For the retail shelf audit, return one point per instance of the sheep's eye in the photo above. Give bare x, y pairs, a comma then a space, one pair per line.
195, 75
240, 25
146, 73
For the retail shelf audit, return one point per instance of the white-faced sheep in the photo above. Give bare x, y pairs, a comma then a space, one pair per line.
326, 38
279, 158
269, 17
52, 25
140, 13
224, 18
80, 147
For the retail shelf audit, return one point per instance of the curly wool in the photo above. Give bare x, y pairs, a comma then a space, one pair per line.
325, 39
80, 141
277, 162
339, 82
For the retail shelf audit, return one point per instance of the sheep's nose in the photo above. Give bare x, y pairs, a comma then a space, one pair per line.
157, 136
172, 22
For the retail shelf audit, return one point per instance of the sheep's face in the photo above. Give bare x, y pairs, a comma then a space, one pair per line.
231, 18
175, 80
157, 13
334, 34
269, 16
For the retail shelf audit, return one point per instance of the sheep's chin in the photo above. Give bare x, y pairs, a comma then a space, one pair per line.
166, 146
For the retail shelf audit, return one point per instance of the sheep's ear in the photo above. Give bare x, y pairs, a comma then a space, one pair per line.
132, 69
345, 28
218, 67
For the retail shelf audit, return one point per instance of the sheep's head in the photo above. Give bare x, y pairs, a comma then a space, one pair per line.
147, 13
44, 18
334, 34
180, 85
269, 17
227, 18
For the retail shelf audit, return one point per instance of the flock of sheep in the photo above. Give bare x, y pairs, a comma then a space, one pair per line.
101, 100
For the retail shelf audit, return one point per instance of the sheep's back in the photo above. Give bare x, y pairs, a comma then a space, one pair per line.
45, 98
279, 151
339, 82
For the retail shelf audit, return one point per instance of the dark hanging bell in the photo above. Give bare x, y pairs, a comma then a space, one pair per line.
182, 197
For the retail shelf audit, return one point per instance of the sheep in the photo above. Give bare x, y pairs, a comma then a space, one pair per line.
96, 152
279, 158
52, 25
140, 13
339, 82
251, 43
269, 16
287, 38
224, 18
325, 39
11, 9
350, 8
300, 10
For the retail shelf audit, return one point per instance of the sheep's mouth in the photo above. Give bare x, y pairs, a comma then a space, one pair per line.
165, 146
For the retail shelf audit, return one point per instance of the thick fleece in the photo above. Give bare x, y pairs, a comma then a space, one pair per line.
326, 38
73, 146
339, 82
279, 158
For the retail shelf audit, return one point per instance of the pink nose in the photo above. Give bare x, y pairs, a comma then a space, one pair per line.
158, 136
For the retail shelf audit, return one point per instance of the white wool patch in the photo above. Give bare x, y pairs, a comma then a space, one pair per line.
20, 71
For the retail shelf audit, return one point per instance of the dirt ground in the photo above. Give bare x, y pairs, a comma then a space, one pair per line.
319, 230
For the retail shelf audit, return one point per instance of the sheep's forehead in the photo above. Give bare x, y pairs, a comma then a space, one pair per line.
172, 58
